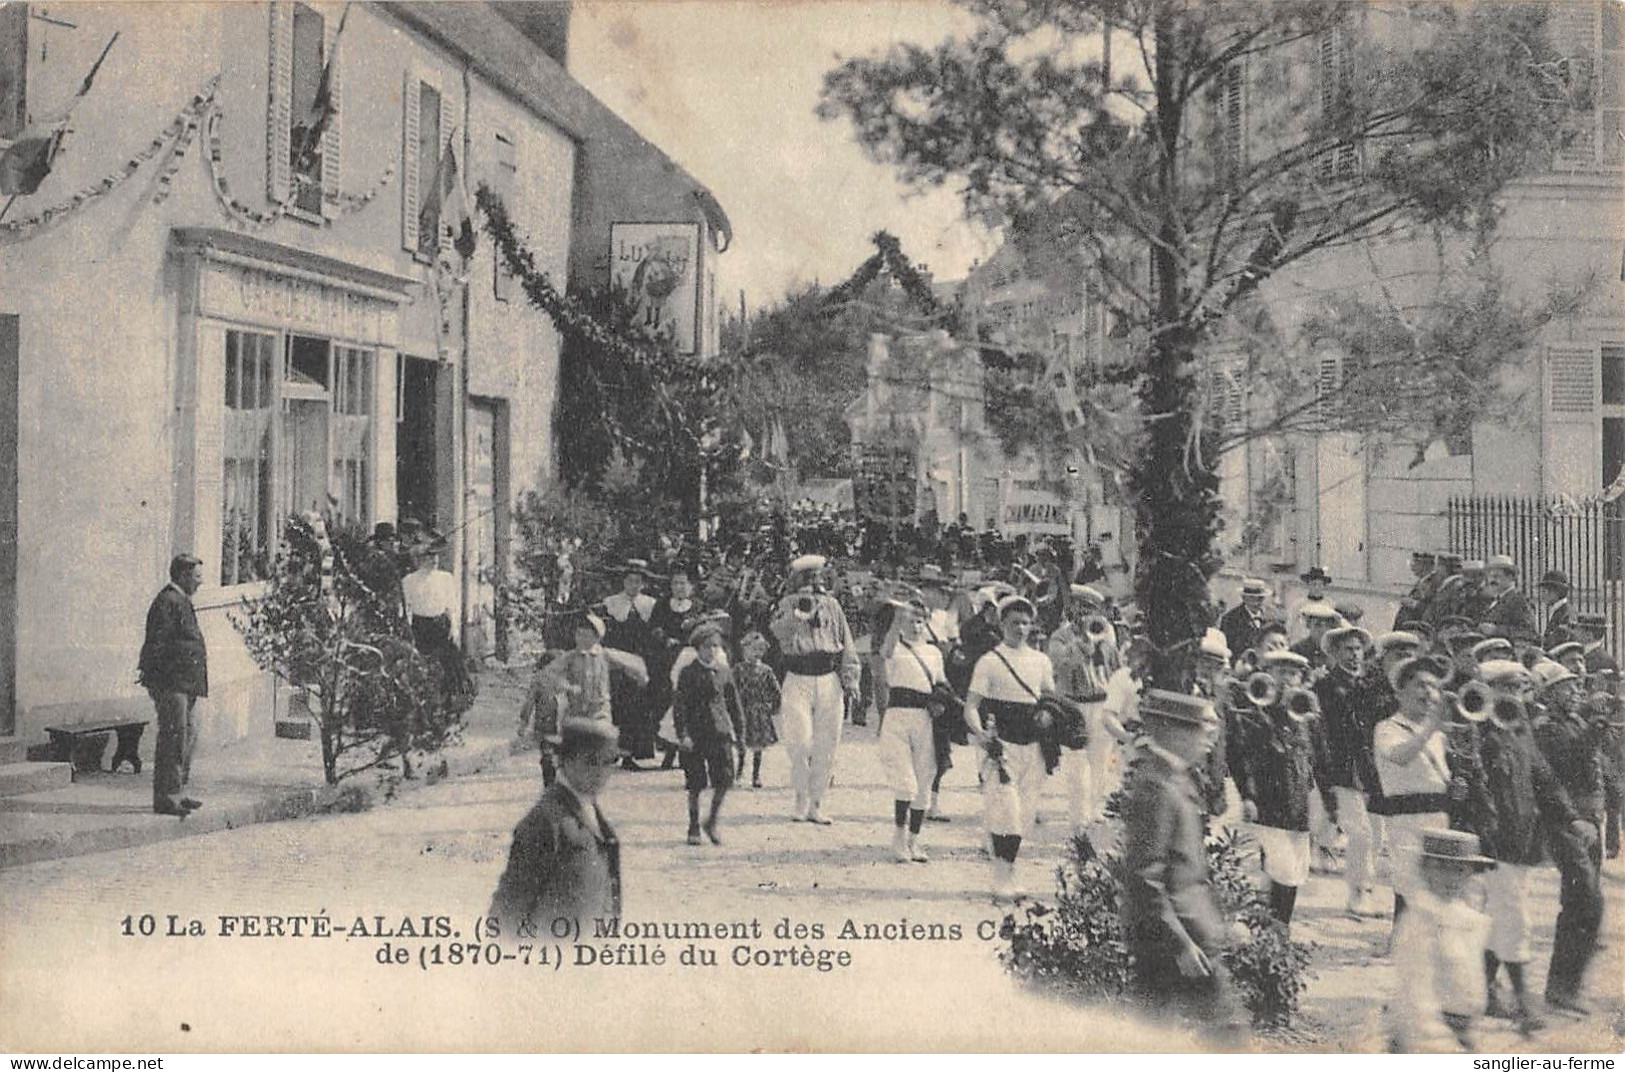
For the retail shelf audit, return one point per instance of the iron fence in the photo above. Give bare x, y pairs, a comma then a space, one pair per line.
1584, 540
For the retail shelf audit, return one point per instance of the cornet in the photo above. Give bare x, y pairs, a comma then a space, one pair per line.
1097, 627
1301, 705
1262, 689
1474, 703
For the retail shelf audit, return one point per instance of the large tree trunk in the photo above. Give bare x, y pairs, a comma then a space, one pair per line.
1174, 479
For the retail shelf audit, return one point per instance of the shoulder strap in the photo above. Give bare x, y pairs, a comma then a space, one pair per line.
1025, 687
928, 675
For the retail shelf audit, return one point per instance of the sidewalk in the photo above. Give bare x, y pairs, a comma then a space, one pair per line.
260, 781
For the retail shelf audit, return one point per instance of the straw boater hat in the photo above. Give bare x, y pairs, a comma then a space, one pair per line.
588, 736
1158, 706
1507, 672
703, 631
1557, 653
1286, 658
1503, 563
1548, 673
1465, 640
1444, 848
1334, 637
804, 563
1473, 565
1013, 603
1215, 645
1320, 611
1252, 587
1400, 639
1087, 594
639, 566
1487, 649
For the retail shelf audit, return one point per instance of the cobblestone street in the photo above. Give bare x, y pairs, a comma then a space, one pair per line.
437, 852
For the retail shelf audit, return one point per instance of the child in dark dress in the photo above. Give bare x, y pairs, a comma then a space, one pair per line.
759, 696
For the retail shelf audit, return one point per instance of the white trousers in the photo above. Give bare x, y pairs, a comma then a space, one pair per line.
1010, 807
1365, 833
1405, 847
810, 713
1081, 806
1506, 899
909, 758
1286, 854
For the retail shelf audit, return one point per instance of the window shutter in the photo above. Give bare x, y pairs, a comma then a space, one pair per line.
208, 448
1571, 378
409, 164
279, 111
1235, 119
331, 176
1572, 26
446, 134
1329, 383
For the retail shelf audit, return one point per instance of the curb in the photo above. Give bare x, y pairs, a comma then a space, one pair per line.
288, 804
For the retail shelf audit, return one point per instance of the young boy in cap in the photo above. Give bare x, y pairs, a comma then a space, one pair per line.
1439, 947
705, 710
575, 684
1352, 701
1171, 918
565, 861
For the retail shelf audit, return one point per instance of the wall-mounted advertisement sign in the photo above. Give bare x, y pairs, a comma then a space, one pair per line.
658, 266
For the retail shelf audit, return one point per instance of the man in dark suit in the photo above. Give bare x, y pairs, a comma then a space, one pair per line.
1553, 592
1591, 630
1241, 625
1506, 613
175, 669
565, 862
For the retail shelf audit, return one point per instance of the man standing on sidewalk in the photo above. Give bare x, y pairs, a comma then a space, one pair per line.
175, 670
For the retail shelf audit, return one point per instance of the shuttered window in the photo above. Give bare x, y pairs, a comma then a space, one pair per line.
1328, 385
505, 184
1589, 37
303, 152
1233, 121
1335, 61
423, 134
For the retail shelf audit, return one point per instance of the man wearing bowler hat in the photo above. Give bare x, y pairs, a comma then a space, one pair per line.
1242, 624
1553, 593
1506, 612
565, 861
1416, 603
1171, 916
174, 666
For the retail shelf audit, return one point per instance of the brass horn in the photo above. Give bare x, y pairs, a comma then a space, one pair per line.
1475, 702
1262, 690
1507, 711
1302, 705
1097, 627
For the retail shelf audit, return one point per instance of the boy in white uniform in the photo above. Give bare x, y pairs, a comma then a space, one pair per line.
1001, 710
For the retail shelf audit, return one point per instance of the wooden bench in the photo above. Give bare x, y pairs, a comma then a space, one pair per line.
64, 740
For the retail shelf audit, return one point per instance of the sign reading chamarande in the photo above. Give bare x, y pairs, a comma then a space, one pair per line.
1030, 507
657, 264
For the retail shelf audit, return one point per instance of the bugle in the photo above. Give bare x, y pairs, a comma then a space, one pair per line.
1262, 689
1302, 705
1098, 627
1507, 711
1474, 703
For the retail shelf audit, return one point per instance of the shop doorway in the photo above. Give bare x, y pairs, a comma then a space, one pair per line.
306, 404
416, 442
9, 384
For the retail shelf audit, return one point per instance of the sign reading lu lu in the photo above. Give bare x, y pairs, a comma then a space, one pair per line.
657, 265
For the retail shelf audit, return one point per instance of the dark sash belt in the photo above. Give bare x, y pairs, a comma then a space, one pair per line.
1017, 723
816, 664
908, 698
1411, 804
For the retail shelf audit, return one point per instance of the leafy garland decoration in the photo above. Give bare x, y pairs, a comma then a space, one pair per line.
889, 255
179, 131
254, 220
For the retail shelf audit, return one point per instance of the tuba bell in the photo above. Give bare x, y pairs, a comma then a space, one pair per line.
1262, 689
1475, 702
1097, 627
1507, 711
1302, 705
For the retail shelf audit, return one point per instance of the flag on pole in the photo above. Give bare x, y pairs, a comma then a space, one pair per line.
26, 161
323, 108
447, 203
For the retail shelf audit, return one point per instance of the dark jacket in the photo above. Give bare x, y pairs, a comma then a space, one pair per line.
1350, 708
1165, 863
1518, 792
557, 868
174, 657
1509, 616
1599, 659
1571, 748
705, 706
1240, 629
1558, 621
1276, 769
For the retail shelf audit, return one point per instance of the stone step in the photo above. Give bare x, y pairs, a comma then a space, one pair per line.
13, 749
19, 778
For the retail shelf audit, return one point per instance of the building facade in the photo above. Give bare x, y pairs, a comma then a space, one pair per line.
247, 322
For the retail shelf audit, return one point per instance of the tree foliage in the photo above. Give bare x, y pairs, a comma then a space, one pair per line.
1102, 133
